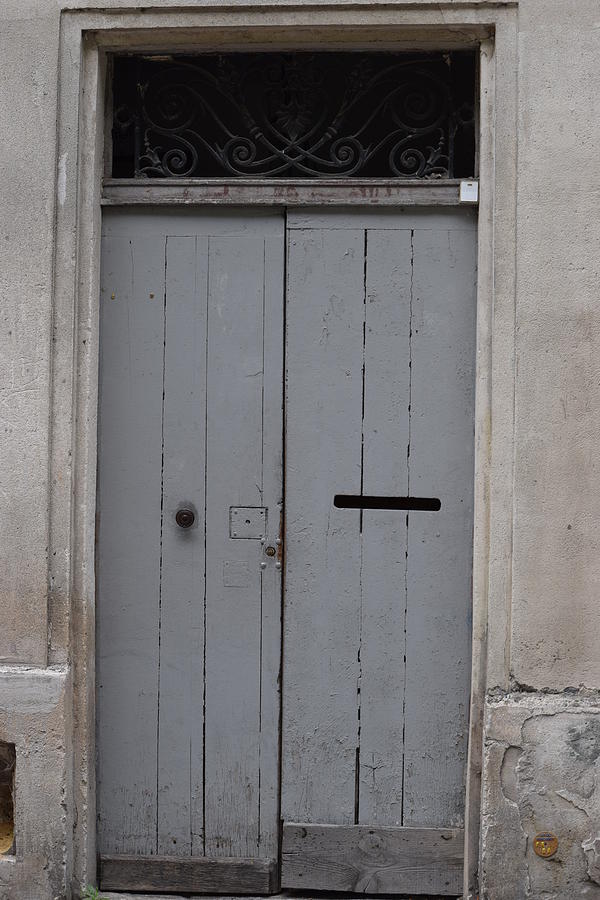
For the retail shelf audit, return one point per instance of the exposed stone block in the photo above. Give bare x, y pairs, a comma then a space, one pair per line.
35, 721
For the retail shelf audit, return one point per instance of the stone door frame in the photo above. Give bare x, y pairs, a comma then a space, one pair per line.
85, 40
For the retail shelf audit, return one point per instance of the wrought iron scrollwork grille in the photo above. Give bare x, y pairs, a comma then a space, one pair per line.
295, 115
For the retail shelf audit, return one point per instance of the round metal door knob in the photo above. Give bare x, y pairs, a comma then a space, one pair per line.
185, 518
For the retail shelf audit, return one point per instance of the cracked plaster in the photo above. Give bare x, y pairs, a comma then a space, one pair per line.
541, 773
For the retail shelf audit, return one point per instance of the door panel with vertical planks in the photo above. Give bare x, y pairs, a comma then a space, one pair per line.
375, 663
188, 618
380, 374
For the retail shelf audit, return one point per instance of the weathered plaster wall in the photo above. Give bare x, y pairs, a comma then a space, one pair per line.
541, 747
28, 54
556, 555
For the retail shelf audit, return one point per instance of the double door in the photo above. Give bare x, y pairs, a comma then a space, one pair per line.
285, 467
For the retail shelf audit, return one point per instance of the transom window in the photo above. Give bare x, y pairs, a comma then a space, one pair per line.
294, 115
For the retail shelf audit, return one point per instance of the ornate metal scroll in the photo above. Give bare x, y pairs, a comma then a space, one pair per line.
294, 115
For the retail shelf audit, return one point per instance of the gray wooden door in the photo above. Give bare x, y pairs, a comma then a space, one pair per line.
380, 370
188, 618
375, 662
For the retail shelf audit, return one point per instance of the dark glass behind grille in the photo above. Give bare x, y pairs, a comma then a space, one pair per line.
314, 115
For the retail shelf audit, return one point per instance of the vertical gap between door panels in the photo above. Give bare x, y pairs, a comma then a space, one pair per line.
360, 527
262, 574
286, 233
410, 331
162, 501
191, 743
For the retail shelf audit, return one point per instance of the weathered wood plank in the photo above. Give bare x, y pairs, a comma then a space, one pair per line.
234, 478
192, 875
281, 192
325, 315
180, 707
128, 536
183, 222
235, 779
375, 860
439, 563
271, 585
384, 533
280, 895
393, 219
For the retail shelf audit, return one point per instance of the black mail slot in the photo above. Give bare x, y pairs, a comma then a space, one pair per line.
364, 501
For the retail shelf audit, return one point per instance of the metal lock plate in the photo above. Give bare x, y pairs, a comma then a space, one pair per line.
248, 523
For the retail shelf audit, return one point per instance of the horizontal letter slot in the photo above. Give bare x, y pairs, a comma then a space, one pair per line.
363, 501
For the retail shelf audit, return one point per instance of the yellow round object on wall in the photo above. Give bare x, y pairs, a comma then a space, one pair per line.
545, 844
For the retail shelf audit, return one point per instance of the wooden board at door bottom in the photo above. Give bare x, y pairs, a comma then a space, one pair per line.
375, 860
195, 875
